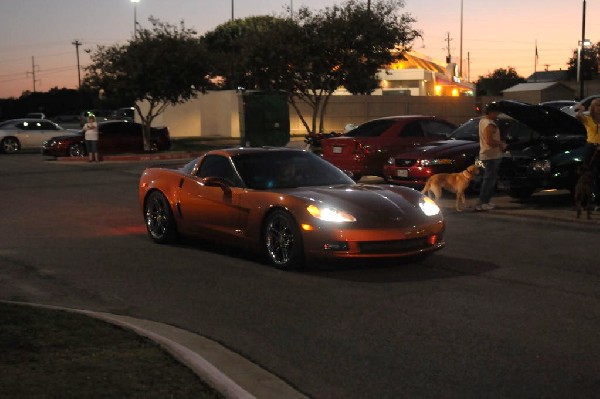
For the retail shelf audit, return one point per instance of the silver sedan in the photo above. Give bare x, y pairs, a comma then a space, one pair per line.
28, 133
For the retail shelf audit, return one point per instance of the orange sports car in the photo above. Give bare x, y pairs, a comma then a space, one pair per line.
289, 204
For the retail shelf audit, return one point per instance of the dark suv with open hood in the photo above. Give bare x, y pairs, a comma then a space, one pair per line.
551, 161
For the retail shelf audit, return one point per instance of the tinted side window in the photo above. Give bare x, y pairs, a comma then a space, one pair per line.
518, 132
109, 129
129, 129
218, 166
413, 129
371, 129
120, 129
467, 131
437, 128
33, 125
48, 126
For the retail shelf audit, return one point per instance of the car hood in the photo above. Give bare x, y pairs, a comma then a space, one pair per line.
372, 205
437, 149
545, 120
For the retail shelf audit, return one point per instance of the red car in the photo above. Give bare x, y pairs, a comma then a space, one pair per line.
413, 166
114, 137
364, 150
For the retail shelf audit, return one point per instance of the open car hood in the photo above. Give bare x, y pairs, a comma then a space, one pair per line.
545, 120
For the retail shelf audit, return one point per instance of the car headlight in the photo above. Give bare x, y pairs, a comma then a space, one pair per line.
434, 162
391, 161
428, 206
328, 214
541, 166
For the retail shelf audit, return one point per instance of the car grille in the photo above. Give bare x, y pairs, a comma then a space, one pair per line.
385, 247
405, 163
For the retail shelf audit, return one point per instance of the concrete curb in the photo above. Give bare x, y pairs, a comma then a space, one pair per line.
227, 372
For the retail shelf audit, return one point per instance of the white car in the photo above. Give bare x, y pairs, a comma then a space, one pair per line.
27, 133
572, 110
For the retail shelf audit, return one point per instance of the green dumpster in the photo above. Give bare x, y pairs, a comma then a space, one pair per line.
266, 119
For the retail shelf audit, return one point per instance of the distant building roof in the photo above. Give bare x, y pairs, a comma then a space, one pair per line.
414, 60
533, 87
548, 76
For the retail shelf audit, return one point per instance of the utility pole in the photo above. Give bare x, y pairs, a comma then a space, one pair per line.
32, 73
468, 66
448, 40
77, 43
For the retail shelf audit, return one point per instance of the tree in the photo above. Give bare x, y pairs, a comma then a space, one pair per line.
493, 83
589, 63
164, 65
313, 55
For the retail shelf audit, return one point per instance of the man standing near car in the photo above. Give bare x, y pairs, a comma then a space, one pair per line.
491, 148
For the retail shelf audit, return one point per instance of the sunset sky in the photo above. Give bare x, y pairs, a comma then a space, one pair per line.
496, 34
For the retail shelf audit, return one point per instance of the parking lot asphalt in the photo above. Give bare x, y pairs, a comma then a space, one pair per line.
237, 377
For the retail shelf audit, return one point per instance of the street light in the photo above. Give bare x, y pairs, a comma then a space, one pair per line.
460, 69
579, 50
134, 18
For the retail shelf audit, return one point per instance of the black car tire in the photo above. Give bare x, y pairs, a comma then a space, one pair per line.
282, 241
76, 150
160, 222
10, 145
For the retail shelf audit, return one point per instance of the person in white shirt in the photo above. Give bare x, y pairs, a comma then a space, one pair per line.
491, 148
91, 138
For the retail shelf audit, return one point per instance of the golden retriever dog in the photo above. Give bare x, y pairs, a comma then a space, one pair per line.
583, 192
453, 182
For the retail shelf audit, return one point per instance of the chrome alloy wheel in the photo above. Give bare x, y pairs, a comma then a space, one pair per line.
282, 240
159, 218
10, 145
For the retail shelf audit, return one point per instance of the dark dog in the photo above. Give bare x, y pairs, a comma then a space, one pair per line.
583, 192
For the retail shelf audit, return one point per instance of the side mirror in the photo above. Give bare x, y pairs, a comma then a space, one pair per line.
217, 182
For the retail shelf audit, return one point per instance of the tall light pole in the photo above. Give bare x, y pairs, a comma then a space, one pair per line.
134, 18
232, 17
580, 54
460, 67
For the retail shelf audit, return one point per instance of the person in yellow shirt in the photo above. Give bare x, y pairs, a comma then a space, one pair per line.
591, 158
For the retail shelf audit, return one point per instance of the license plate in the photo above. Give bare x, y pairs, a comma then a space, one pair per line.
337, 150
402, 173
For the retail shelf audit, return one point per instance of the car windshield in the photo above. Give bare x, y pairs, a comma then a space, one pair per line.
287, 169
467, 131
